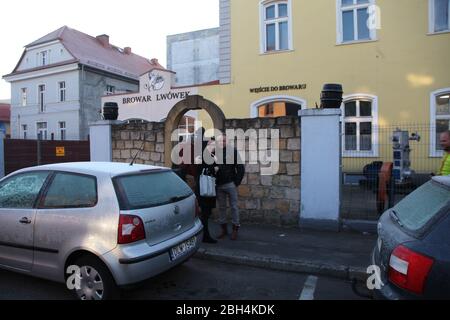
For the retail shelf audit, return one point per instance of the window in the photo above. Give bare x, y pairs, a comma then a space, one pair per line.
24, 131
62, 91
44, 58
439, 15
22, 190
276, 26
278, 109
359, 123
62, 130
150, 190
440, 117
24, 97
266, 110
421, 206
71, 191
110, 90
41, 130
41, 97
353, 19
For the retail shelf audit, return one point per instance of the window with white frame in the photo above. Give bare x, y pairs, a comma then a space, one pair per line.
24, 131
62, 130
41, 97
62, 91
359, 127
24, 97
354, 20
275, 26
41, 130
440, 107
439, 15
43, 58
110, 90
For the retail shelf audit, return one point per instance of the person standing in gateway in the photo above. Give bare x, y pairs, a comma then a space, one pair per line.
229, 177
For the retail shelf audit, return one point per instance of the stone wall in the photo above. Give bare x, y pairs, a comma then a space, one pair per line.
128, 139
272, 199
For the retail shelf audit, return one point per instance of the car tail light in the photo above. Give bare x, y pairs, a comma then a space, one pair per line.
409, 270
131, 229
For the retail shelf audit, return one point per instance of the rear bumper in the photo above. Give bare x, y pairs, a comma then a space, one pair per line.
138, 262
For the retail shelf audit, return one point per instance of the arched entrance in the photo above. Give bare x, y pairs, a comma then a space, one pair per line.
175, 115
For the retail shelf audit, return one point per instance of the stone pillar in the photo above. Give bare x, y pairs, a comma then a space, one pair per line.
100, 140
320, 169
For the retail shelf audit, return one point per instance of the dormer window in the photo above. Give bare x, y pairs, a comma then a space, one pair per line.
44, 58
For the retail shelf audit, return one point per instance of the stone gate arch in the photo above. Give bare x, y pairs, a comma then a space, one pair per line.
195, 102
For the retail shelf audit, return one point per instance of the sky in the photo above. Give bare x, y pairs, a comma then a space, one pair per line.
140, 24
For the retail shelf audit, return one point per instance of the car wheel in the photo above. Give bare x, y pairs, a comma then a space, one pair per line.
96, 282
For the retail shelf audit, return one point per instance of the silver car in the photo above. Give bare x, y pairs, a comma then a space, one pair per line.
96, 226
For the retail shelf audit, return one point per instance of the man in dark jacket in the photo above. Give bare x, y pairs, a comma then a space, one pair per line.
229, 177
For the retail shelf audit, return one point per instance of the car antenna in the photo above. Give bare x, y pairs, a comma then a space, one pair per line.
137, 153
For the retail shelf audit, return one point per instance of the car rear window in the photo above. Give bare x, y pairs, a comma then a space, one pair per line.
416, 210
150, 190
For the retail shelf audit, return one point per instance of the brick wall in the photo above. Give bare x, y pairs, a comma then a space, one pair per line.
128, 139
271, 199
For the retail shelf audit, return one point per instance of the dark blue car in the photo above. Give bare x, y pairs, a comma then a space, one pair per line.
413, 249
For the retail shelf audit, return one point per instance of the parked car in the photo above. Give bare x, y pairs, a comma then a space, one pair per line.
105, 225
413, 249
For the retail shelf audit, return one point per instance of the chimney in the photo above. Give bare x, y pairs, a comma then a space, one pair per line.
127, 50
104, 40
154, 61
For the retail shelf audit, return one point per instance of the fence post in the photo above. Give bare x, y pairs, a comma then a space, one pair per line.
320, 169
2, 154
38, 141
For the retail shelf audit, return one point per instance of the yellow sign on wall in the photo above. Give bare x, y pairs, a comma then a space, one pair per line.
60, 151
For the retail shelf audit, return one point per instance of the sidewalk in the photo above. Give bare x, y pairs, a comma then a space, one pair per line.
343, 255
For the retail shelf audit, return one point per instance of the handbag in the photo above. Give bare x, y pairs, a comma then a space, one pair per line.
207, 185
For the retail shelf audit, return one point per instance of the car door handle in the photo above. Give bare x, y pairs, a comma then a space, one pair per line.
25, 220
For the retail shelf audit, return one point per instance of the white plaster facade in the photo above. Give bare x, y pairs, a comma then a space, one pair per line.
54, 111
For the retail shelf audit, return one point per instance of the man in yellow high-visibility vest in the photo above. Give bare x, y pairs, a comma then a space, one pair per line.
445, 143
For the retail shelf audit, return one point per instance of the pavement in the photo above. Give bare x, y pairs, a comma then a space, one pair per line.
344, 255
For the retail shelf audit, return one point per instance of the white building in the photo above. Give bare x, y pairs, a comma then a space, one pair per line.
57, 85
194, 56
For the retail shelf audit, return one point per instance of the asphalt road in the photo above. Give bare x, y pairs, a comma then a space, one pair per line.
198, 280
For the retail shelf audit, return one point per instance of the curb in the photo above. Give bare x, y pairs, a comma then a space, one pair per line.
277, 264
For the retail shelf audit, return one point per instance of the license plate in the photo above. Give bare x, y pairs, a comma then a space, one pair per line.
183, 248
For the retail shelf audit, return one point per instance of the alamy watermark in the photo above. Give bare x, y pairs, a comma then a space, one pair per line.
233, 146
73, 281
374, 280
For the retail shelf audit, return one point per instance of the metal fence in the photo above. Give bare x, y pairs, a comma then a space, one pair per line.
19, 154
413, 150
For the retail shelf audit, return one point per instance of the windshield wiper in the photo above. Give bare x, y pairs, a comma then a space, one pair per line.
394, 216
178, 198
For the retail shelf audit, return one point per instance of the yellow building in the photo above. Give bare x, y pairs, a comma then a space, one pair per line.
391, 56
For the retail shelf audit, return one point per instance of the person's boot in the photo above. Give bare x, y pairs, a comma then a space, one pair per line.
206, 235
234, 235
224, 231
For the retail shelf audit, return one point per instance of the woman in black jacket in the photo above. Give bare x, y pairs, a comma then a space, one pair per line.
206, 204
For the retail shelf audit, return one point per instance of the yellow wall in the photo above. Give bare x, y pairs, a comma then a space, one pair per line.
401, 68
